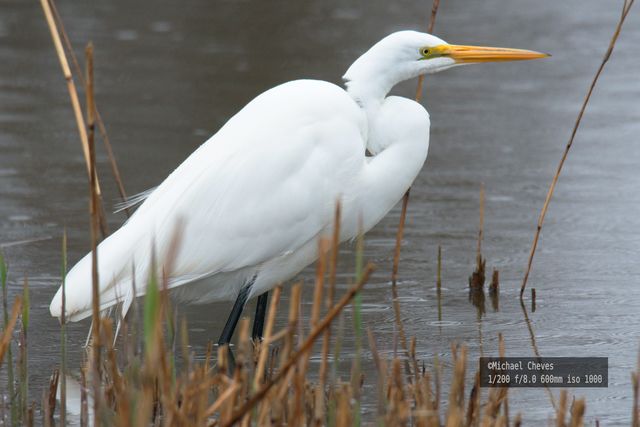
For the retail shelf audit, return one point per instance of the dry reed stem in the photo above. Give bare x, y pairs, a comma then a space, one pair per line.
95, 223
101, 127
63, 327
432, 22
284, 405
635, 384
533, 300
456, 390
308, 342
50, 402
625, 11
561, 412
439, 284
263, 347
532, 338
333, 268
481, 224
473, 408
381, 368
494, 286
222, 398
405, 202
439, 269
7, 334
394, 274
241, 375
323, 247
84, 405
477, 278
73, 93
502, 353
577, 413
399, 234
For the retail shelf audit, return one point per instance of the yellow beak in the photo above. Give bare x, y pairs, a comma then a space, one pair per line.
474, 54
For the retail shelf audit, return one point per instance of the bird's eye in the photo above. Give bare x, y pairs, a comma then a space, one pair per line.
425, 51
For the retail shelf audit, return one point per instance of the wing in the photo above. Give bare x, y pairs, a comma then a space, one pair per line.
263, 186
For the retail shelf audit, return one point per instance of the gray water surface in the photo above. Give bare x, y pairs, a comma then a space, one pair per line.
169, 74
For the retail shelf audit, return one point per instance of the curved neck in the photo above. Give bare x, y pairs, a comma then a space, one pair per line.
369, 94
399, 138
388, 176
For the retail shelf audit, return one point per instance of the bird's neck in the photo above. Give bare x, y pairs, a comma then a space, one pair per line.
399, 139
370, 78
369, 95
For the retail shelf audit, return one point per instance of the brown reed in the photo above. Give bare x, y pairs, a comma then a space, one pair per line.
432, 23
635, 384
94, 212
333, 268
148, 390
394, 274
477, 278
405, 203
626, 7
7, 333
75, 102
101, 127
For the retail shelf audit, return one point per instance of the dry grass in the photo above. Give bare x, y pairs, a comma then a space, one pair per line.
149, 390
273, 382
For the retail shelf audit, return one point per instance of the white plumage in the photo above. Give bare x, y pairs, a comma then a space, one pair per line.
255, 197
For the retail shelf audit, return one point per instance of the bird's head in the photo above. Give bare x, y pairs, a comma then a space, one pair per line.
407, 54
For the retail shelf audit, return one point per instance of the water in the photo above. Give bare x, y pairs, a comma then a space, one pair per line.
171, 74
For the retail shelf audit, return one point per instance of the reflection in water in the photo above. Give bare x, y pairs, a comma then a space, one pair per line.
494, 290
477, 298
534, 346
533, 300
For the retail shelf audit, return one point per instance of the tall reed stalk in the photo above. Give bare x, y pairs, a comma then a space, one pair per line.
94, 212
403, 214
63, 334
101, 126
77, 110
24, 354
626, 8
10, 374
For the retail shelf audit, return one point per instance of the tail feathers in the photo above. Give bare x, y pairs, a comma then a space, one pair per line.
115, 271
76, 310
133, 200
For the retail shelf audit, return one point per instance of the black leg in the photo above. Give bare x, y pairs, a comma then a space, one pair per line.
258, 319
230, 326
232, 321
234, 316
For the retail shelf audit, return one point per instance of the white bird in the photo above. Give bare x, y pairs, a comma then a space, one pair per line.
255, 198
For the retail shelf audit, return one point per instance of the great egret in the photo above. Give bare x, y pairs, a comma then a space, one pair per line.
255, 197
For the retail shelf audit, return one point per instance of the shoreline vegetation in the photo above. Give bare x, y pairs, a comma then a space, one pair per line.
139, 370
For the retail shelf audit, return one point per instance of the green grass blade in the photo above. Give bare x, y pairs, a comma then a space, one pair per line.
357, 327
24, 354
63, 336
150, 314
4, 271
